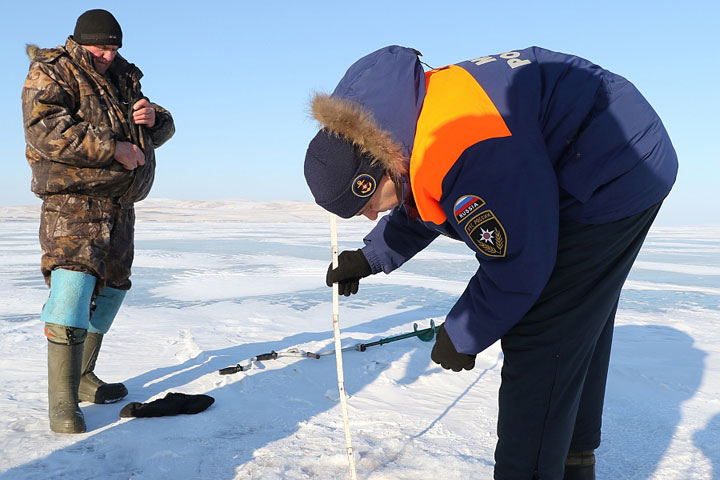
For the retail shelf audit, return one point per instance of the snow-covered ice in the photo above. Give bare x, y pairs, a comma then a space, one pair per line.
215, 283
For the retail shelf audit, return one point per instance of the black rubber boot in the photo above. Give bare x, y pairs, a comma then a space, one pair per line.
65, 351
92, 389
580, 466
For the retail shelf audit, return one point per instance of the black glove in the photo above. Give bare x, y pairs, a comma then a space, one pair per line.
352, 266
172, 404
444, 353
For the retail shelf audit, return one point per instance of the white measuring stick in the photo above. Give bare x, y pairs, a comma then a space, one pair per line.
338, 349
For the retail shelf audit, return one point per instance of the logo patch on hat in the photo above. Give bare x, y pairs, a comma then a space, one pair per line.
363, 185
487, 234
465, 205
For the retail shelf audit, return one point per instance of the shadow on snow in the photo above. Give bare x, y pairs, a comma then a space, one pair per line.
263, 406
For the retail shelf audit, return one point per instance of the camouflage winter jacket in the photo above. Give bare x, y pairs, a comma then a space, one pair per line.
73, 116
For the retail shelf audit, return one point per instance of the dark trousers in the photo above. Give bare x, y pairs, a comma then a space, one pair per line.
556, 358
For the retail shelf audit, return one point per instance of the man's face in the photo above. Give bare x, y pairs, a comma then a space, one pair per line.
103, 56
384, 199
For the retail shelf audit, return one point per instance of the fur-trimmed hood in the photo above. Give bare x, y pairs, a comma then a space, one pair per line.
31, 50
376, 106
37, 54
74, 50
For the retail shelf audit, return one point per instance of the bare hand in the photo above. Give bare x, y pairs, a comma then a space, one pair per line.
129, 155
144, 113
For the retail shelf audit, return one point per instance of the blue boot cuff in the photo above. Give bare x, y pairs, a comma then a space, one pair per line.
107, 305
69, 301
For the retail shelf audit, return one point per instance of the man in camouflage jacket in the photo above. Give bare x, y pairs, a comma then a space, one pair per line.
91, 136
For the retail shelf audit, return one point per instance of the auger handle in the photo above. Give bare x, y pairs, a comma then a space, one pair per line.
231, 370
241, 368
266, 356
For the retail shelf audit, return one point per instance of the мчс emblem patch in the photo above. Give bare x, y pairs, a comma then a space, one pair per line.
487, 234
466, 205
363, 185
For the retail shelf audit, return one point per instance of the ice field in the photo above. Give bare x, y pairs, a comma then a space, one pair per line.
215, 283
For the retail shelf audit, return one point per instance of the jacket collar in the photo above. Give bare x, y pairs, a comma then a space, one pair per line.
82, 57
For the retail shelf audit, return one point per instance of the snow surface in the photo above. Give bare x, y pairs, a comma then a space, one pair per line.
216, 283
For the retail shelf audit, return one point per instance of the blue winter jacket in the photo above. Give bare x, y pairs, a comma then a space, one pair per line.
500, 149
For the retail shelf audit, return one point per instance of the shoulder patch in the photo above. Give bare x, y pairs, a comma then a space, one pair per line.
466, 205
487, 234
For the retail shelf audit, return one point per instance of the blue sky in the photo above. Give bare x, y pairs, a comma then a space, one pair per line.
237, 77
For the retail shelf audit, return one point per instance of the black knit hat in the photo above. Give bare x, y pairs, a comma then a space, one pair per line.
97, 27
341, 178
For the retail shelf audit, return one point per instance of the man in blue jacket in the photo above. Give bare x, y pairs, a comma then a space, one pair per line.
551, 170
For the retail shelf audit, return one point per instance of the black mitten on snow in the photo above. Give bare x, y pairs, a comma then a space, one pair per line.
444, 353
172, 404
352, 266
